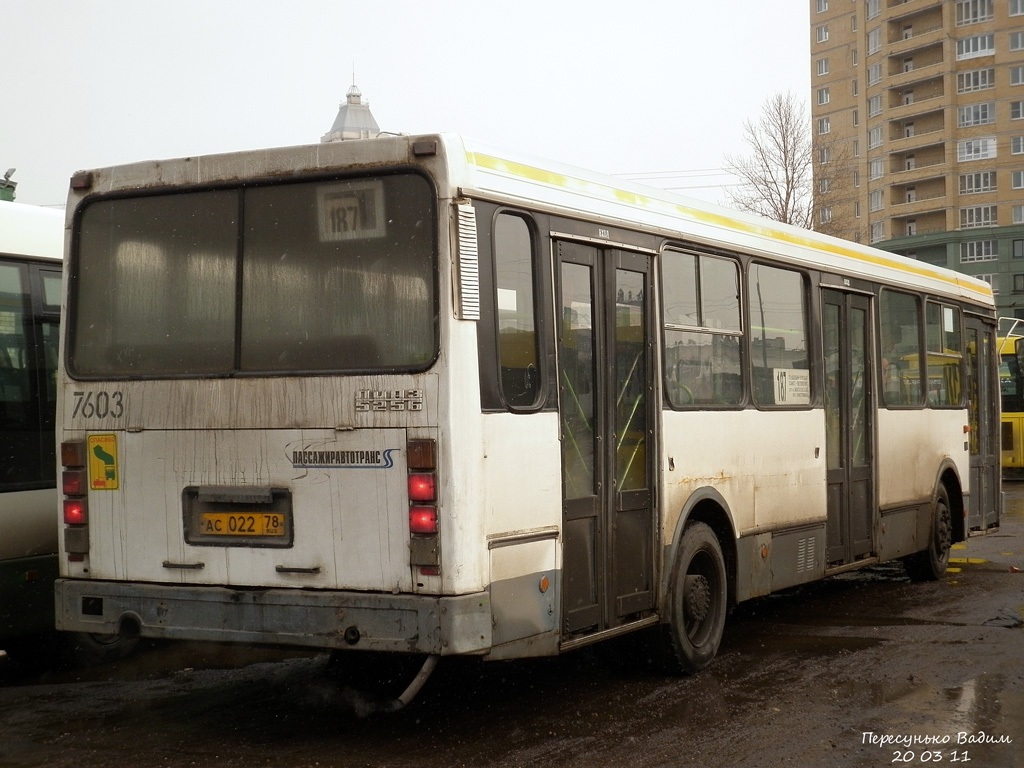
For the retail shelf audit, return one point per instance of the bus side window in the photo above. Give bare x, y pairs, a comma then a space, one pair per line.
518, 355
900, 364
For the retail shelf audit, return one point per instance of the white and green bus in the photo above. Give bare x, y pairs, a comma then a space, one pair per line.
420, 396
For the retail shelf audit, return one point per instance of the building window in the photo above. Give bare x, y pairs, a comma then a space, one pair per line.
875, 137
972, 183
856, 178
1016, 75
1018, 283
908, 65
874, 8
825, 215
822, 96
990, 279
856, 209
875, 201
822, 33
874, 106
876, 168
1016, 110
908, 130
822, 6
978, 216
911, 194
911, 227
874, 40
1018, 249
824, 155
972, 47
1018, 214
976, 80
1017, 7
976, 114
877, 231
1017, 180
909, 163
855, 117
822, 66
874, 74
853, 87
1016, 41
824, 125
1017, 145
975, 149
978, 250
973, 11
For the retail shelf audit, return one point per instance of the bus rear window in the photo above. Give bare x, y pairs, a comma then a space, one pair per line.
309, 277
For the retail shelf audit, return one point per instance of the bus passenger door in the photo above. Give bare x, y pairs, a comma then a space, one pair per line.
849, 429
982, 397
604, 360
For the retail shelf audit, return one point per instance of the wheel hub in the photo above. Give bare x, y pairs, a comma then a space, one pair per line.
698, 598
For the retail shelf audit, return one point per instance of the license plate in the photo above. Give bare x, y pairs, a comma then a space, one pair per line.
269, 524
222, 516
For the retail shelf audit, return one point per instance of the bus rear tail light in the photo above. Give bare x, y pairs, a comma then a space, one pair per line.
76, 512
421, 486
421, 460
75, 487
423, 520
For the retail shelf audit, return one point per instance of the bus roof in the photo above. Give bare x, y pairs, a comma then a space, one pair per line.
521, 176
30, 230
481, 170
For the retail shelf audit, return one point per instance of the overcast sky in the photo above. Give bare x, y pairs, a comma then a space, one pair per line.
626, 88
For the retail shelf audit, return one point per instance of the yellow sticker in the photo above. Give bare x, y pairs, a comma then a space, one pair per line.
103, 472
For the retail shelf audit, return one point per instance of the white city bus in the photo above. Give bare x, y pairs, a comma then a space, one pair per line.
31, 248
416, 395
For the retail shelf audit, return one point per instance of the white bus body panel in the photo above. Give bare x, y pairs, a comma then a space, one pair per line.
902, 476
768, 466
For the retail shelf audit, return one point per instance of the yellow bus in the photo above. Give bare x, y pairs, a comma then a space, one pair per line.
1011, 392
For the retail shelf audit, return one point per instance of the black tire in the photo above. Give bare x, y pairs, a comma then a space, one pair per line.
930, 564
86, 650
698, 600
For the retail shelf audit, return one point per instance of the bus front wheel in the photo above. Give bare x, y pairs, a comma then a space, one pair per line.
698, 601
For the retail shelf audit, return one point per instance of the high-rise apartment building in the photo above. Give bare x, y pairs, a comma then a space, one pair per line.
918, 120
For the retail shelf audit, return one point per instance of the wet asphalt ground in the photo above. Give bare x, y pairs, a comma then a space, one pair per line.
861, 670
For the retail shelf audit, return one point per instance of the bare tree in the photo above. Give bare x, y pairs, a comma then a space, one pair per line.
835, 192
777, 180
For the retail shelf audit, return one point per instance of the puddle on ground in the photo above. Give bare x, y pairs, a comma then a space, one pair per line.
980, 721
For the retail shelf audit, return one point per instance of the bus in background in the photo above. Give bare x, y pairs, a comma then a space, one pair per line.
417, 396
31, 250
1011, 389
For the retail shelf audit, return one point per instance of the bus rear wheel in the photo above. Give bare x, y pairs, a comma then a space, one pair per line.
930, 564
699, 600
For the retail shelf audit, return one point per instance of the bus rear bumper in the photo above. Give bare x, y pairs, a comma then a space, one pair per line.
450, 625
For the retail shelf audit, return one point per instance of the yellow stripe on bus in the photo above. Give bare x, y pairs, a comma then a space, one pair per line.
554, 179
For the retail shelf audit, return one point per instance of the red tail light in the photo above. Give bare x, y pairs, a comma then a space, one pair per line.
422, 520
421, 460
421, 486
74, 482
76, 512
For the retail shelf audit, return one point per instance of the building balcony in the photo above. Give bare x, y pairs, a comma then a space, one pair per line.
903, 80
919, 174
917, 142
915, 209
923, 38
917, 109
896, 10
